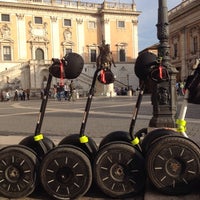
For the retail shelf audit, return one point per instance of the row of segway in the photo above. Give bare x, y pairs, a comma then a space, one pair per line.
118, 166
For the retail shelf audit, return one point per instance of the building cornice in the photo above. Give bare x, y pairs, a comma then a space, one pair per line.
183, 8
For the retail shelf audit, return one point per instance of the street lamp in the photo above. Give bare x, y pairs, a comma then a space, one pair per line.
164, 92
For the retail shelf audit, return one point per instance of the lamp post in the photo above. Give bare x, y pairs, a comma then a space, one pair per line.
164, 93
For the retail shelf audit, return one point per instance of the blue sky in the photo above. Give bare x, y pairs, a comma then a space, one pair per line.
147, 31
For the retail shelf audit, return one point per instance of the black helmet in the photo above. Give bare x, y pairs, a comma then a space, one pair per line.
143, 64
106, 76
69, 67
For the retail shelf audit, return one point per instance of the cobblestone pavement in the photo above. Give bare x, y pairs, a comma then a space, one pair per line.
18, 119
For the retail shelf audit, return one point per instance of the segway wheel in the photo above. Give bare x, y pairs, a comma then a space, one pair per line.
153, 136
35, 146
116, 136
90, 148
173, 165
66, 172
119, 170
18, 171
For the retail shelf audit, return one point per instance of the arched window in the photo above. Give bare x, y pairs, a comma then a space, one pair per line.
39, 54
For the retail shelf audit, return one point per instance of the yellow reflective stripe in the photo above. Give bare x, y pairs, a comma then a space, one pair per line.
135, 141
181, 122
83, 139
38, 137
181, 128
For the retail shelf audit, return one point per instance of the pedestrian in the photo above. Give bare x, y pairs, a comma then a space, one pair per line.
1, 96
28, 94
72, 91
7, 96
16, 95
55, 92
23, 97
59, 90
66, 91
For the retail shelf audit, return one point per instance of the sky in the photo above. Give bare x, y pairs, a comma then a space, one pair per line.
147, 31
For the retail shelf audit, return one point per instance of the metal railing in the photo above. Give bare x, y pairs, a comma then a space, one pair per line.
80, 4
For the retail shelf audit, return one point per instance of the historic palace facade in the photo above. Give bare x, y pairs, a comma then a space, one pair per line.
185, 36
32, 32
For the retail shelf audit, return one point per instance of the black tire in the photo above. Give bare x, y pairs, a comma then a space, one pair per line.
119, 170
173, 165
36, 147
66, 172
18, 171
116, 136
90, 148
153, 136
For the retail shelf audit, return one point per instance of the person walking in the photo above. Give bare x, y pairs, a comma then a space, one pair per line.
66, 91
72, 91
16, 95
23, 95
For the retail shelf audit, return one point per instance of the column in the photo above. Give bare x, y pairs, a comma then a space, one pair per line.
80, 37
135, 38
55, 39
106, 30
21, 37
182, 50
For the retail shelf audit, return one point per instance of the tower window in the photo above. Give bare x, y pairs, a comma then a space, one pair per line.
67, 22
121, 24
5, 17
38, 20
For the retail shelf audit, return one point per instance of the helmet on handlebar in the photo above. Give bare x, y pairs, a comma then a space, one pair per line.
143, 64
69, 67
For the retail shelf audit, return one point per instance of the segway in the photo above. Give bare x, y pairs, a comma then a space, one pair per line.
20, 163
66, 170
119, 166
172, 159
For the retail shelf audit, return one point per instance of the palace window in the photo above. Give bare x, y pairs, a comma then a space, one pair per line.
194, 39
122, 55
67, 22
5, 17
39, 54
195, 44
38, 20
175, 49
6, 53
93, 55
